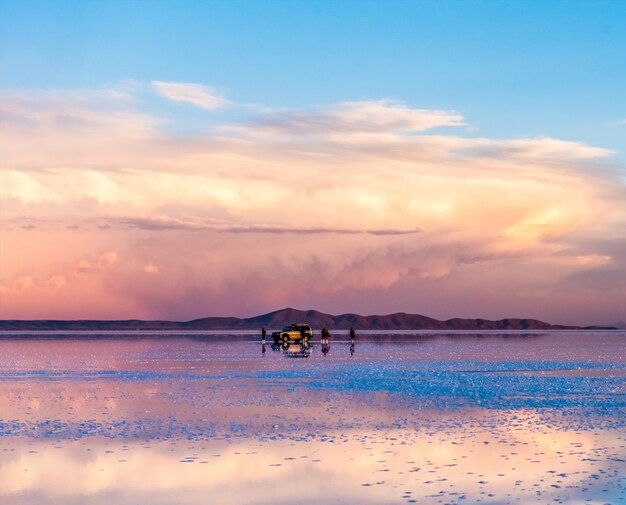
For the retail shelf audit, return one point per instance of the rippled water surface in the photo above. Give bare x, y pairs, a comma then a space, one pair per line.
397, 418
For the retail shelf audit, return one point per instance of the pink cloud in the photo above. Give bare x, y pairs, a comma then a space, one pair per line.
337, 208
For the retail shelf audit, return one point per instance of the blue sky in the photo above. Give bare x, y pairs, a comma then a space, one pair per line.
555, 68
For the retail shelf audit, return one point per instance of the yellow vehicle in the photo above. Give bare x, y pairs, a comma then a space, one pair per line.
294, 332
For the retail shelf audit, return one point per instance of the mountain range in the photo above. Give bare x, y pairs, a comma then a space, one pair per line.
280, 318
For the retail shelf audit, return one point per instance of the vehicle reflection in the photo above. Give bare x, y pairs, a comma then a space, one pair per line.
293, 349
297, 350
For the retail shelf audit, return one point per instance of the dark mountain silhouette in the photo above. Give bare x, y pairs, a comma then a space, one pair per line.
280, 318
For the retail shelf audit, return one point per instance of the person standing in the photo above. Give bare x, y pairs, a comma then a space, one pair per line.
352, 334
263, 333
325, 335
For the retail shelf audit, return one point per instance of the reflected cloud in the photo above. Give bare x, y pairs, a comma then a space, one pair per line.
192, 421
367, 467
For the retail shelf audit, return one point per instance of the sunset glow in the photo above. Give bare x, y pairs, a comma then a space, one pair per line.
149, 196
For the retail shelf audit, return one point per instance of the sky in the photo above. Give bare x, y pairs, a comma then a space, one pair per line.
183, 159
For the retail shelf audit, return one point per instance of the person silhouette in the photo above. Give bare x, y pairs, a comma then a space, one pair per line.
325, 335
263, 333
352, 334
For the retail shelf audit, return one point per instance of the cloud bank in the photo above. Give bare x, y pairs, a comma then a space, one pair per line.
357, 206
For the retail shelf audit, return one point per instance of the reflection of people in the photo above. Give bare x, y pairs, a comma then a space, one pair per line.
352, 334
352, 349
263, 349
325, 349
263, 333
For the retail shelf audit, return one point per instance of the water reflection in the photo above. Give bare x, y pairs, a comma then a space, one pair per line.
300, 349
325, 349
297, 350
194, 422
492, 463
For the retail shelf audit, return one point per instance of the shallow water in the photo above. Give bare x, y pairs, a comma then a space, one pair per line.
424, 418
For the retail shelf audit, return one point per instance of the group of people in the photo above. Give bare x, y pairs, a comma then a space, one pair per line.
325, 340
325, 335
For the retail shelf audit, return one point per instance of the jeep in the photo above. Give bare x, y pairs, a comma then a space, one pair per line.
293, 332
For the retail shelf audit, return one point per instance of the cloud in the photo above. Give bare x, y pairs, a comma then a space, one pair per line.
602, 264
106, 112
199, 95
540, 148
105, 260
358, 202
381, 116
199, 224
59, 288
151, 268
603, 279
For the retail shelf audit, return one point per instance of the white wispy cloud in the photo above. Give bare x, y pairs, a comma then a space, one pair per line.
199, 95
375, 116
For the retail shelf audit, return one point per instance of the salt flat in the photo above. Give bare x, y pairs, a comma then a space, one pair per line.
424, 418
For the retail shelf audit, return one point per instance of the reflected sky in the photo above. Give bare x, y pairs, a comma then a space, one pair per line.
438, 420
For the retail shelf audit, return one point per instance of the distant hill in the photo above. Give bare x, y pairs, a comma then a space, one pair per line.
280, 318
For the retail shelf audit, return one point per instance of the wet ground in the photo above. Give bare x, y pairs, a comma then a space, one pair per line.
396, 418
